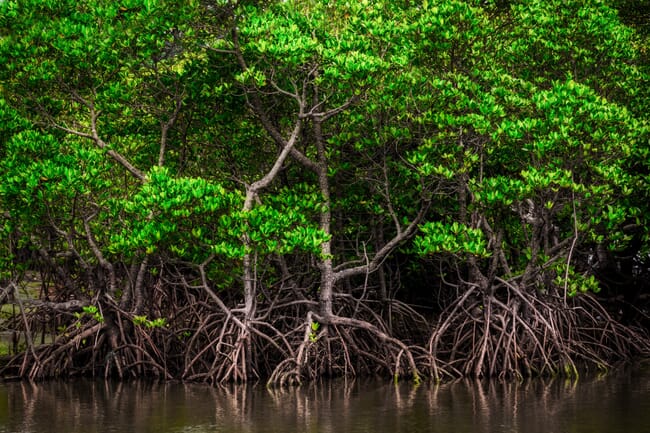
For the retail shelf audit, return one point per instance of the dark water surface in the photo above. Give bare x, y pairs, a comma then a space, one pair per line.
619, 402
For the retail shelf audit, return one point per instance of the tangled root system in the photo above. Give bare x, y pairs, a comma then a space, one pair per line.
508, 333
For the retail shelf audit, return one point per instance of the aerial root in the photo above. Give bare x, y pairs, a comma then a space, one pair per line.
508, 333
342, 346
520, 333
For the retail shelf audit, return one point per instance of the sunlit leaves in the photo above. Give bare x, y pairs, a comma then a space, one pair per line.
285, 222
450, 238
191, 218
41, 170
530, 125
176, 214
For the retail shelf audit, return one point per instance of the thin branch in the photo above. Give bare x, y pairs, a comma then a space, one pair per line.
286, 93
113, 154
100, 257
325, 115
381, 255
573, 244
64, 307
256, 105
72, 131
273, 172
166, 126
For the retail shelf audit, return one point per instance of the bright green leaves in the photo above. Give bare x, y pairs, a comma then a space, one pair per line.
494, 192
444, 31
451, 238
553, 39
313, 336
191, 218
285, 222
440, 158
283, 35
142, 320
353, 65
289, 39
88, 312
536, 180
522, 121
353, 46
177, 215
40, 173
251, 76
573, 282
63, 59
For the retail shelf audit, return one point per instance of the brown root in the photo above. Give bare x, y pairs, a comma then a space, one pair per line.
344, 346
514, 332
508, 332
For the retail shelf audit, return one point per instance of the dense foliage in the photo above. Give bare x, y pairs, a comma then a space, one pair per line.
222, 190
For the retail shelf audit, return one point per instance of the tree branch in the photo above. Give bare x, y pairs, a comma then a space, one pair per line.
381, 255
166, 126
113, 154
257, 107
273, 172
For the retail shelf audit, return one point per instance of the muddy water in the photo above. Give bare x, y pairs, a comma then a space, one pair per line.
617, 403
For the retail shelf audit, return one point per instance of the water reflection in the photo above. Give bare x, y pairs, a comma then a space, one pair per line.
617, 403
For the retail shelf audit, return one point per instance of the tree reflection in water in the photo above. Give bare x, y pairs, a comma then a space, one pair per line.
616, 403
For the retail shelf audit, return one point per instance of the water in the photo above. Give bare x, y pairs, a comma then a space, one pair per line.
616, 403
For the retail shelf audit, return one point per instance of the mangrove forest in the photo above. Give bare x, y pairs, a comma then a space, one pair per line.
283, 191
